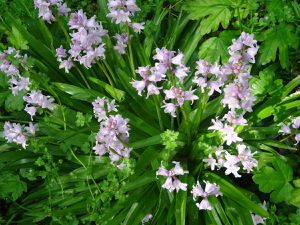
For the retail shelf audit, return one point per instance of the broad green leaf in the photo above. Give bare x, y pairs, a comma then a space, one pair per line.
147, 178
11, 186
114, 92
276, 180
14, 103
295, 198
180, 205
215, 49
17, 39
130, 212
3, 97
278, 38
266, 83
219, 209
277, 144
212, 12
155, 140
79, 93
291, 86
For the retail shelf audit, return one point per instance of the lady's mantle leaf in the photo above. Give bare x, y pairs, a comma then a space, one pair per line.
11, 186
212, 12
276, 180
216, 48
266, 83
278, 38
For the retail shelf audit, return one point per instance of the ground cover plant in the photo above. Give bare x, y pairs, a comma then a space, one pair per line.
149, 112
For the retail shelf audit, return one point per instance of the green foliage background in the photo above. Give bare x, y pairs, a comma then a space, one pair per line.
58, 179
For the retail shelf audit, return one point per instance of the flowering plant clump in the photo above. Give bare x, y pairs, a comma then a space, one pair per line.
113, 134
46, 7
17, 82
119, 112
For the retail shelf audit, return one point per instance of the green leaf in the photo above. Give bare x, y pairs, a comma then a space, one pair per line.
265, 83
146, 178
17, 39
11, 186
278, 38
180, 205
79, 93
295, 198
114, 92
14, 103
155, 140
216, 48
276, 180
212, 12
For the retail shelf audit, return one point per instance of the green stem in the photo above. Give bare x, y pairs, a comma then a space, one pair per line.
187, 123
156, 102
285, 138
83, 78
105, 73
130, 52
202, 103
59, 102
110, 70
64, 31
78, 160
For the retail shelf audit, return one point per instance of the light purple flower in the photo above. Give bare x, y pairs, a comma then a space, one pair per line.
180, 95
147, 218
17, 133
120, 11
285, 129
296, 122
18, 83
297, 138
137, 27
122, 40
113, 133
36, 99
211, 189
170, 108
172, 182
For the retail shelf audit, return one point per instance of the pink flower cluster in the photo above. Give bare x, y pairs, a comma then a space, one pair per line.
17, 133
86, 43
210, 77
16, 82
211, 189
172, 182
168, 65
237, 94
35, 100
233, 163
113, 133
120, 11
286, 129
46, 8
